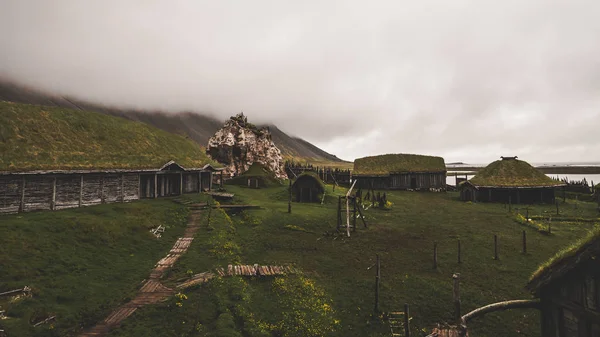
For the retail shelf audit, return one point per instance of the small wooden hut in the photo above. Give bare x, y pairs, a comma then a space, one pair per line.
257, 176
308, 188
400, 172
510, 180
569, 290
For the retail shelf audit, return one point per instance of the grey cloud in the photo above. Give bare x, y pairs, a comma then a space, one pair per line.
462, 79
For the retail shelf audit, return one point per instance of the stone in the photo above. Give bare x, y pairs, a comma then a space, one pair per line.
238, 144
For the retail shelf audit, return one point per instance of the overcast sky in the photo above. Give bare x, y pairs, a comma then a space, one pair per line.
467, 80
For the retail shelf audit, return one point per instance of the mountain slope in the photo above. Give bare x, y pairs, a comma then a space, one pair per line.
198, 127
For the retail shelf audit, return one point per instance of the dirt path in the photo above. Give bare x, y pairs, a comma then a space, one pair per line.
152, 291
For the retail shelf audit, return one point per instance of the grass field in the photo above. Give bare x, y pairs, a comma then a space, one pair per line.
333, 296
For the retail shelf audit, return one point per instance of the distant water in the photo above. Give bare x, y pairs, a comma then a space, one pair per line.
572, 164
451, 180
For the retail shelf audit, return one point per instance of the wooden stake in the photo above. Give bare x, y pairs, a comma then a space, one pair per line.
435, 256
509, 203
524, 242
495, 247
557, 213
122, 188
155, 185
456, 297
377, 281
406, 321
180, 183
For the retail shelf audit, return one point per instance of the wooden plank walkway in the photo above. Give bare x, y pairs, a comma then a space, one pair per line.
152, 291
238, 270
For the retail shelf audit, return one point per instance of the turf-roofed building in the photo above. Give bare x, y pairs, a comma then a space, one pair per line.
257, 176
400, 172
569, 290
55, 158
510, 180
308, 187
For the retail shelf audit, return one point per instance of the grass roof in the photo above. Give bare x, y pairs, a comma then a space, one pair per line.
256, 170
565, 260
512, 173
310, 175
389, 163
51, 138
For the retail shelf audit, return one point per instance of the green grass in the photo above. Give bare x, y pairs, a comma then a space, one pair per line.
512, 173
342, 267
43, 138
80, 263
334, 295
384, 164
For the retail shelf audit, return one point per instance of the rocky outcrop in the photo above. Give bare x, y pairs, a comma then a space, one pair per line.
238, 144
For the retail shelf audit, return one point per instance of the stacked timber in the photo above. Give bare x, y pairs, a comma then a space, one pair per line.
254, 270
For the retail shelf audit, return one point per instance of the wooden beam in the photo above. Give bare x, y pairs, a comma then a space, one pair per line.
53, 203
155, 185
180, 183
122, 187
515, 304
199, 182
22, 205
80, 190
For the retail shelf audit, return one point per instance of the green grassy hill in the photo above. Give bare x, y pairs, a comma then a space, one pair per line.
36, 137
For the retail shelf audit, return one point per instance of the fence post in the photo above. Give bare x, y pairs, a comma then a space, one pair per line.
527, 216
509, 203
377, 280
557, 213
495, 247
524, 242
435, 257
406, 321
290, 197
456, 296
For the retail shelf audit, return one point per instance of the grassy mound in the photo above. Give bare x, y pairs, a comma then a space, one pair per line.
255, 171
512, 173
47, 138
384, 164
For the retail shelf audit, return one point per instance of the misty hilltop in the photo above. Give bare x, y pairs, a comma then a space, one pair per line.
197, 126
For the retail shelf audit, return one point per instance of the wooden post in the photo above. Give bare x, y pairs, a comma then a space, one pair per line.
495, 247
155, 185
199, 182
139, 176
122, 188
81, 190
406, 321
290, 197
435, 257
527, 210
377, 281
549, 225
354, 213
53, 202
221, 180
180, 183
459, 260
557, 212
22, 205
509, 203
524, 242
564, 195
456, 297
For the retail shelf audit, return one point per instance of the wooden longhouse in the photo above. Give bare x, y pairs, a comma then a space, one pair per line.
569, 290
400, 172
308, 187
510, 180
59, 189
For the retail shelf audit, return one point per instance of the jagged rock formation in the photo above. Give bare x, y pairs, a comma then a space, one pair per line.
238, 144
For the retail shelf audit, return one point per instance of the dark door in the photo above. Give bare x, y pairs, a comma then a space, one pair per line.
413, 182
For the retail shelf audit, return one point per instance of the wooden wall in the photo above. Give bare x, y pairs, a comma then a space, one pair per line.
24, 193
571, 306
404, 181
503, 195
